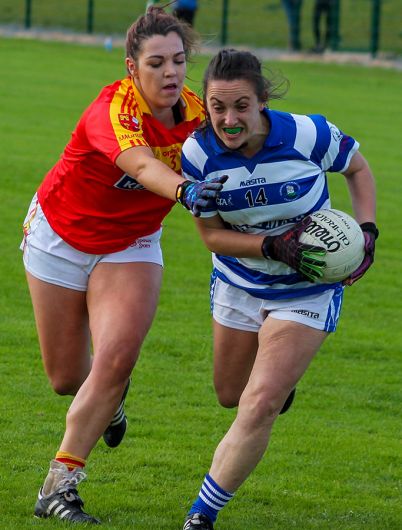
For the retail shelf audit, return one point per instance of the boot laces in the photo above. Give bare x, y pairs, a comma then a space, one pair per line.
71, 480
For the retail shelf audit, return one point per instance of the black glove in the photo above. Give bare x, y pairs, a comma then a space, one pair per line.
370, 232
200, 196
305, 259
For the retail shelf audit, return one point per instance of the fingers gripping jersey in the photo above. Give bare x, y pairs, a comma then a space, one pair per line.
88, 201
268, 193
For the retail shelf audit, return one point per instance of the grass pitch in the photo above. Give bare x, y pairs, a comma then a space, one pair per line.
261, 23
334, 460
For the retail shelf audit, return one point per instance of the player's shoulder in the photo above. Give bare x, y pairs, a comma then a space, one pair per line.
305, 120
191, 95
202, 140
194, 143
109, 96
313, 125
326, 129
319, 120
193, 103
292, 122
199, 151
108, 92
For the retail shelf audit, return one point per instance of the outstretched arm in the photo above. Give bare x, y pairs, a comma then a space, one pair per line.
155, 176
141, 164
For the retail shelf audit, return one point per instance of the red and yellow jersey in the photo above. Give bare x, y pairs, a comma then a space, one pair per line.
87, 199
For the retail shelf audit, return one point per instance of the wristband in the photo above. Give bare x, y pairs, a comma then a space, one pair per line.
181, 188
370, 227
266, 247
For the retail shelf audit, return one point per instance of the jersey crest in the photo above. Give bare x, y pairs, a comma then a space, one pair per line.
129, 122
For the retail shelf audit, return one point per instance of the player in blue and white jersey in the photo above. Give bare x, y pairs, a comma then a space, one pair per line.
270, 318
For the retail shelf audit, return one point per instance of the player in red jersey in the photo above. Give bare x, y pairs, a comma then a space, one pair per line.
91, 243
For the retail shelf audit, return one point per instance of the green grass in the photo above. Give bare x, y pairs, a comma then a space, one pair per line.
335, 459
261, 23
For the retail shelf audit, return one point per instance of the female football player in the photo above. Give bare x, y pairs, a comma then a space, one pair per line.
91, 243
270, 318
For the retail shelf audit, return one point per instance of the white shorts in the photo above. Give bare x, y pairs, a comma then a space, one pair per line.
48, 257
234, 308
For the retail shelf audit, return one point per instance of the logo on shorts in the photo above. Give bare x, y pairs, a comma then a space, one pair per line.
129, 122
306, 313
142, 243
290, 191
26, 227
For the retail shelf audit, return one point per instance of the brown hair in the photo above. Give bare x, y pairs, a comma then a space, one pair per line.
230, 64
157, 22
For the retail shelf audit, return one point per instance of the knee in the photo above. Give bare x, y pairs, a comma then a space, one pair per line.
260, 409
65, 384
117, 361
227, 398
121, 367
228, 394
228, 402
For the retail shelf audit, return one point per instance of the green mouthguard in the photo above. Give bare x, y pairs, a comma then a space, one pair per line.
233, 130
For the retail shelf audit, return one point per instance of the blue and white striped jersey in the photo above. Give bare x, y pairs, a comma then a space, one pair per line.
266, 194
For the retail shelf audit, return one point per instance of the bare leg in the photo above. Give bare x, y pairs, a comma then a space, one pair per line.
122, 300
234, 356
285, 351
62, 322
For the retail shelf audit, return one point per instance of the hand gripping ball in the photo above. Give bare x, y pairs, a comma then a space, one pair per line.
341, 236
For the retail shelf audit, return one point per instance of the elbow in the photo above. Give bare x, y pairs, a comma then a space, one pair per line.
210, 247
211, 244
